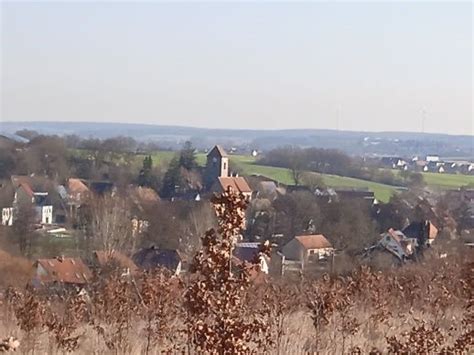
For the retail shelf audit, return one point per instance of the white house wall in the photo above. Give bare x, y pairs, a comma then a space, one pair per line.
7, 216
46, 214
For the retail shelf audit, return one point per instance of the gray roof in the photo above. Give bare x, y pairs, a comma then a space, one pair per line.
14, 137
219, 150
246, 251
62, 191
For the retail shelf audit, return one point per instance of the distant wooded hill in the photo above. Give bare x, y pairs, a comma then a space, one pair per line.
356, 143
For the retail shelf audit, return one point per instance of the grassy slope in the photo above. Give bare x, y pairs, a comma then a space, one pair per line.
382, 192
448, 180
445, 181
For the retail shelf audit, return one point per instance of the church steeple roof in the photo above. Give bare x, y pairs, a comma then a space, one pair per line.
219, 150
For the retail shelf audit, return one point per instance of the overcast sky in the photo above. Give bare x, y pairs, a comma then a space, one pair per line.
356, 66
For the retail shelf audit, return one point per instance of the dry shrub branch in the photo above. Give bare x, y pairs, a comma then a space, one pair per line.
219, 320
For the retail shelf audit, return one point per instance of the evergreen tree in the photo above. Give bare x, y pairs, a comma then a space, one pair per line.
147, 163
172, 180
146, 176
187, 156
176, 178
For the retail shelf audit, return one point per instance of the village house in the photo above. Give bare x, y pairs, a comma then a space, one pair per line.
77, 190
25, 195
143, 196
395, 242
307, 248
264, 187
433, 158
423, 232
248, 252
74, 194
467, 168
61, 271
405, 245
236, 184
434, 167
418, 165
394, 162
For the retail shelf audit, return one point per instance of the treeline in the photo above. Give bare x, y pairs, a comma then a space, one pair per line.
120, 159
52, 157
333, 161
117, 144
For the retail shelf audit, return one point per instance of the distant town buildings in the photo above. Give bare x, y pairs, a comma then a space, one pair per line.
430, 163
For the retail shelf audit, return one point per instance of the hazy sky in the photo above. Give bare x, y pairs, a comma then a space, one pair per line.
376, 66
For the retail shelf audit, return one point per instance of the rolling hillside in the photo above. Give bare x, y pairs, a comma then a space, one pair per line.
382, 192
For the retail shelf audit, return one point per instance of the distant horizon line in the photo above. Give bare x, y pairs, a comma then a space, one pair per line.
229, 129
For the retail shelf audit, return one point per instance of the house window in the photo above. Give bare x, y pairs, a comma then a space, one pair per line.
225, 166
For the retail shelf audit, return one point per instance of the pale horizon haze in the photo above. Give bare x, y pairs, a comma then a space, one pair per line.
362, 66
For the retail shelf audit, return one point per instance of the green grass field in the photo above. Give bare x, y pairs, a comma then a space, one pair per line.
448, 181
445, 181
382, 192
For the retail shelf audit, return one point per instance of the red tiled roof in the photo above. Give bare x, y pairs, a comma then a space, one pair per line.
27, 188
145, 194
64, 270
237, 184
76, 186
17, 180
31, 184
317, 241
104, 258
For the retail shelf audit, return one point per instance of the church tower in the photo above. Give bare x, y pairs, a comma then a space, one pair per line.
217, 164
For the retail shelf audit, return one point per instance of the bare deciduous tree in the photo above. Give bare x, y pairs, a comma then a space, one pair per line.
22, 230
312, 181
111, 223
